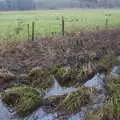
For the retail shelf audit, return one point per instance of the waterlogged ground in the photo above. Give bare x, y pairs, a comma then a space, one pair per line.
4, 113
98, 82
58, 90
35, 84
7, 113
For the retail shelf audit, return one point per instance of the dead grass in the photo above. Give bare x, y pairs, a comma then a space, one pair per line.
77, 47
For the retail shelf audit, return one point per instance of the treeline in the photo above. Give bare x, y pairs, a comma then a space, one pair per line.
17, 4
56, 4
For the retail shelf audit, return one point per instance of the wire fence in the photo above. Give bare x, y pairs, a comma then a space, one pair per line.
20, 30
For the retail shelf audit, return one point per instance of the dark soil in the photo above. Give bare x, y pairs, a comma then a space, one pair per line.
88, 45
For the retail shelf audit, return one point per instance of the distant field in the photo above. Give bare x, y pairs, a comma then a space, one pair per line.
13, 25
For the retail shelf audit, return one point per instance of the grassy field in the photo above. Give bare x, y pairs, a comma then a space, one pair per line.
13, 25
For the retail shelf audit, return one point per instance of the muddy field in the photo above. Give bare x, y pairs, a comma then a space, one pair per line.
21, 57
62, 76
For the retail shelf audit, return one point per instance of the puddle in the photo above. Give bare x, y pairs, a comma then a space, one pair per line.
58, 90
54, 91
116, 71
38, 114
41, 115
97, 81
78, 116
6, 114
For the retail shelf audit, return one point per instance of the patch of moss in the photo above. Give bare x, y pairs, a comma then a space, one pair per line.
24, 99
40, 78
74, 101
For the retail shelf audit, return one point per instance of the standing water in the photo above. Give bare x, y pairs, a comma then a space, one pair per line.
78, 116
58, 90
116, 71
41, 115
54, 91
5, 114
98, 82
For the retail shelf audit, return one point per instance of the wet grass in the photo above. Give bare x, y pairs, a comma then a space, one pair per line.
74, 101
111, 108
40, 78
24, 99
13, 25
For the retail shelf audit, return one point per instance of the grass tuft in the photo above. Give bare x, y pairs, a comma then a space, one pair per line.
24, 99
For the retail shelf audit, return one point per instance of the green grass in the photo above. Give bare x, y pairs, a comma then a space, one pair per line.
24, 99
13, 25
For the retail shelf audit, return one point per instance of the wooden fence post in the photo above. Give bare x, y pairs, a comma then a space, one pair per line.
28, 28
63, 26
33, 31
107, 16
106, 22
